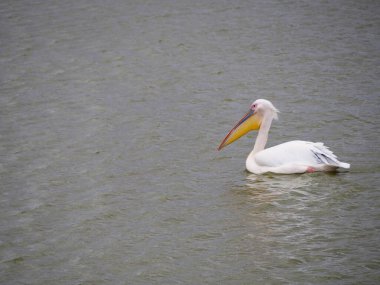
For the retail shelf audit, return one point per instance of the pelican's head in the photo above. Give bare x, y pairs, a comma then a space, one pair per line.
251, 121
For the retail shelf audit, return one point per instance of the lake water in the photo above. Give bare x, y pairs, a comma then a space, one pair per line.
110, 116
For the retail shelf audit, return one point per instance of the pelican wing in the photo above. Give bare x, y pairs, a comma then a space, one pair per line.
298, 152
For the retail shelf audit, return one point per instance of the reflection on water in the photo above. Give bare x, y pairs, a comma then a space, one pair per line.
278, 183
298, 222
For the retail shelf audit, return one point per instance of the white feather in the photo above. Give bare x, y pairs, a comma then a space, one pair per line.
297, 154
289, 157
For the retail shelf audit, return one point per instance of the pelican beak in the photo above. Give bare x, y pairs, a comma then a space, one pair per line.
249, 122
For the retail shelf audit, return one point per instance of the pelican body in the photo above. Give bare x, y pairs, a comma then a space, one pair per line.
286, 158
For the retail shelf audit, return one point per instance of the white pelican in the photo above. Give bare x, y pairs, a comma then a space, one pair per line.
287, 158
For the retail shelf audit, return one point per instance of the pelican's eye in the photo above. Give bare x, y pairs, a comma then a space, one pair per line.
253, 107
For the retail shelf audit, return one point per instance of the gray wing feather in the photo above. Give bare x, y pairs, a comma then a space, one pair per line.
323, 155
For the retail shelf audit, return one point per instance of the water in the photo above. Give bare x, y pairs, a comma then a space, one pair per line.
111, 113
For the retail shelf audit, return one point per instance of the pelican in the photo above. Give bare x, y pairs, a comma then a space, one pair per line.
286, 158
